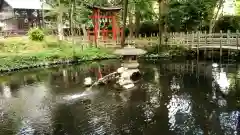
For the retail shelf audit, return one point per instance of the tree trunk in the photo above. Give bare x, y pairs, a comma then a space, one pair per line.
84, 31
60, 28
130, 24
42, 16
137, 22
165, 11
71, 18
213, 20
59, 23
160, 21
125, 6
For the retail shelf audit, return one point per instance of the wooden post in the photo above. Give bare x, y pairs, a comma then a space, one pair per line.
220, 44
192, 40
198, 35
237, 38
228, 36
211, 36
182, 38
173, 38
96, 25
192, 67
151, 39
205, 49
228, 42
187, 40
114, 27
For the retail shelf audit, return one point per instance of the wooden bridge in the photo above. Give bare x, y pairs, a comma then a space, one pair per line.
199, 41
196, 40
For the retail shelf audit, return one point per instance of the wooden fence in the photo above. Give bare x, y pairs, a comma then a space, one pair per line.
193, 40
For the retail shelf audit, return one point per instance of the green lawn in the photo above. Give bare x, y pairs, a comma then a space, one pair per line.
18, 52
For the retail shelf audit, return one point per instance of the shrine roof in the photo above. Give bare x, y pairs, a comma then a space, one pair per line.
27, 4
104, 8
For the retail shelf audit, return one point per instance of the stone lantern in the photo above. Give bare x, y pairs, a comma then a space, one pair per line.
130, 54
129, 72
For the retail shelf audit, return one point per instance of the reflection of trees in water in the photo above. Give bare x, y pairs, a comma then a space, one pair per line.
67, 121
205, 112
56, 77
180, 113
105, 115
179, 109
183, 100
29, 110
230, 122
171, 103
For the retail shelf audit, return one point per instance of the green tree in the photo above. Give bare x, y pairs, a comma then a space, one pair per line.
190, 15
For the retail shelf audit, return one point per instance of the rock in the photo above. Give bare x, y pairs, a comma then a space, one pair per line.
121, 70
128, 86
88, 81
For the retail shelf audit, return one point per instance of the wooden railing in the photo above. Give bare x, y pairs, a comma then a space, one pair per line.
193, 40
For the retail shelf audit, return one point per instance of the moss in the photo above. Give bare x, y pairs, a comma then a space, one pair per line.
17, 53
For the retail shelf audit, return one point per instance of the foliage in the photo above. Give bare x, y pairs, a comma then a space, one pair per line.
36, 34
126, 31
183, 15
148, 27
189, 15
225, 23
177, 50
144, 8
238, 7
18, 52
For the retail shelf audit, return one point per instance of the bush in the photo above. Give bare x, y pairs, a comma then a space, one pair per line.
225, 23
148, 28
177, 50
36, 34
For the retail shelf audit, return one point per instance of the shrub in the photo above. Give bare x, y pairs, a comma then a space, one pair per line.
126, 31
177, 50
36, 34
228, 23
148, 28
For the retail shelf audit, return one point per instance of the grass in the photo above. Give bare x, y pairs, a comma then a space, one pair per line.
18, 52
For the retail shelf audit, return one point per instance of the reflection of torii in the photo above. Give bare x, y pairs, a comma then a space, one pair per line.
99, 73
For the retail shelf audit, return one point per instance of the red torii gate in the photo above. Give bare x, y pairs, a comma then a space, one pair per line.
106, 14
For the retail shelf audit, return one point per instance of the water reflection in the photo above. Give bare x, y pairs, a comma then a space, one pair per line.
173, 98
221, 78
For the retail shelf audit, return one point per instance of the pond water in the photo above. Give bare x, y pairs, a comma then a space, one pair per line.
182, 98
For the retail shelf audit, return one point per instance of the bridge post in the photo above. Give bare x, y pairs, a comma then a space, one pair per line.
237, 38
187, 40
220, 44
205, 49
192, 43
228, 42
198, 36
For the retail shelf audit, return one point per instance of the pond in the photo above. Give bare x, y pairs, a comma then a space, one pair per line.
174, 97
